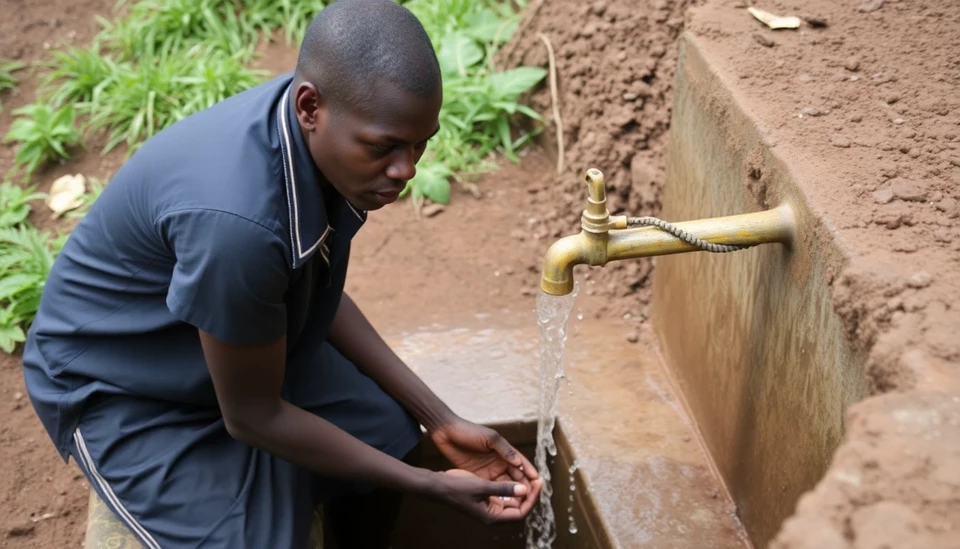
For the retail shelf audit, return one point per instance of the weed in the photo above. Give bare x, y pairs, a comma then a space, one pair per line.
15, 204
26, 256
7, 79
44, 134
479, 102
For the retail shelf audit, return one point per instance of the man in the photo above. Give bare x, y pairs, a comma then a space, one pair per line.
194, 351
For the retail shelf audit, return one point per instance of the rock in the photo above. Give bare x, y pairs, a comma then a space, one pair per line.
856, 117
892, 98
840, 141
630, 96
920, 280
810, 111
815, 21
852, 64
947, 205
883, 196
908, 190
432, 210
763, 40
870, 6
942, 235
21, 531
633, 337
17, 396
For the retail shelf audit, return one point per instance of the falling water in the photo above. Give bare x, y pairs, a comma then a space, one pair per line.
552, 315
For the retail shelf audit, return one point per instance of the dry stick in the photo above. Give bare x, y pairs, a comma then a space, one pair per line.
555, 102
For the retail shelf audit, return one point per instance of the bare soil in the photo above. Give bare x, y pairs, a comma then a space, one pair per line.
877, 91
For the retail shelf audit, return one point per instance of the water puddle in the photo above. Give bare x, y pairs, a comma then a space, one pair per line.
552, 315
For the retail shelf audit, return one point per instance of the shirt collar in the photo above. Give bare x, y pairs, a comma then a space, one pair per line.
309, 226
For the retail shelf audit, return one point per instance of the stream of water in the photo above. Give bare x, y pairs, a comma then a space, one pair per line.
552, 315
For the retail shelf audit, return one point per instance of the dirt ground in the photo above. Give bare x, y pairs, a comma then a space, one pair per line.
884, 121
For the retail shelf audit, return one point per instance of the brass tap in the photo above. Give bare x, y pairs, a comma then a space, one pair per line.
604, 238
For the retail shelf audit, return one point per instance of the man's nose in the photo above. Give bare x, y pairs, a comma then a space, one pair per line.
404, 166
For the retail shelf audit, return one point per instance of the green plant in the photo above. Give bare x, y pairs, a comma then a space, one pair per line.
43, 133
7, 79
26, 256
143, 98
479, 102
83, 73
15, 203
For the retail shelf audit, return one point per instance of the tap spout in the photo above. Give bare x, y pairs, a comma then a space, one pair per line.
603, 238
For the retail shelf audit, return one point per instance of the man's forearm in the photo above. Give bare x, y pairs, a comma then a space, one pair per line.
314, 443
355, 338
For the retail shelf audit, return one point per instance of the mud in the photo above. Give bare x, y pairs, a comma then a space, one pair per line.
615, 66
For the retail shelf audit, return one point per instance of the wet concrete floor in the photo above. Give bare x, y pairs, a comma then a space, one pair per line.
637, 455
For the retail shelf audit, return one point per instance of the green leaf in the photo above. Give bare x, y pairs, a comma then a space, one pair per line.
431, 181
10, 335
487, 26
458, 52
513, 82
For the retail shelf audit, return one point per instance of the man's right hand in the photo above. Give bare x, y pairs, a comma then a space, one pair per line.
487, 501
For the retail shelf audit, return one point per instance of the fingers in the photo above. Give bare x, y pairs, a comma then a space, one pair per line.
513, 457
528, 502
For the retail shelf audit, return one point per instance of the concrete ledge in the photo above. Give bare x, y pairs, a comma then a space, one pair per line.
751, 336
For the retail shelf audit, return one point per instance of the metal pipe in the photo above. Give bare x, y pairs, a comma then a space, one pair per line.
601, 240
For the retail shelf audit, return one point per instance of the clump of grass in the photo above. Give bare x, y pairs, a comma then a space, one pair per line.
26, 256
44, 134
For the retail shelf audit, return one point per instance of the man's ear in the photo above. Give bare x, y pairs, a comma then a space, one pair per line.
310, 107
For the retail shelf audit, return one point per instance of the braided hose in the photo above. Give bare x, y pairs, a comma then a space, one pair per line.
683, 235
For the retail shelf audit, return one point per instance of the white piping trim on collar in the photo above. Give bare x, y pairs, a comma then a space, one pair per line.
292, 187
355, 211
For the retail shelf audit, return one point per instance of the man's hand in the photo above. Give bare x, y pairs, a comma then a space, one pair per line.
483, 452
488, 502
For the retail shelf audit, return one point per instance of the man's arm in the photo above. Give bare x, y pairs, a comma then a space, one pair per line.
247, 380
355, 338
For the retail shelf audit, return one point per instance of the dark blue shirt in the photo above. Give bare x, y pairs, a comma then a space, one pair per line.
219, 222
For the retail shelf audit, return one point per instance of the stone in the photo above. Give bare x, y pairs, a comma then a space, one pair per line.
763, 40
870, 6
433, 210
852, 64
920, 280
810, 111
883, 196
840, 141
908, 190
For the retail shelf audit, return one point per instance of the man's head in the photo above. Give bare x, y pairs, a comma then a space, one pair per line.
367, 94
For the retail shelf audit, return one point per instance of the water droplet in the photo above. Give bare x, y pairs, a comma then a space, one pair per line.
573, 528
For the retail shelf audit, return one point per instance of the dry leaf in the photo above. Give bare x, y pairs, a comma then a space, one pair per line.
775, 21
66, 194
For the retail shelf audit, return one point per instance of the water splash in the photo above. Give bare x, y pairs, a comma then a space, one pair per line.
552, 315
573, 488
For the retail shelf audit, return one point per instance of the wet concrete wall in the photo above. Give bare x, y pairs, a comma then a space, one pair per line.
750, 337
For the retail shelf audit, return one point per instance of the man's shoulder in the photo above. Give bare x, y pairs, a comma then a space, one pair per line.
225, 158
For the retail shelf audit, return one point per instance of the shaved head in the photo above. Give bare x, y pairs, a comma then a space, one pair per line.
352, 47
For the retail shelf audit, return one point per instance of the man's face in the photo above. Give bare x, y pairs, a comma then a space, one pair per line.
368, 154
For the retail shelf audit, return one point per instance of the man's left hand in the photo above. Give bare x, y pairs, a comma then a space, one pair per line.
485, 453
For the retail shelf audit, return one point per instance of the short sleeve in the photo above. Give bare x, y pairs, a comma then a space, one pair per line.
230, 276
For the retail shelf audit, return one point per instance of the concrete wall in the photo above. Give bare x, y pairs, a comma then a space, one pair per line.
750, 337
